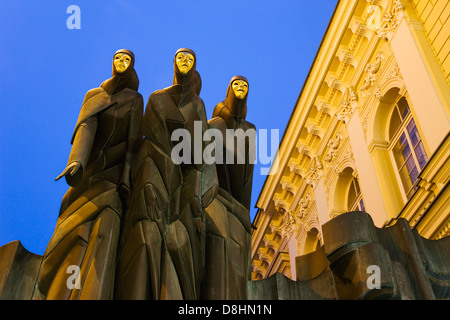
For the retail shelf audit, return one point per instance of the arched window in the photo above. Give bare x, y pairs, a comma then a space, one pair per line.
406, 146
312, 242
354, 200
347, 193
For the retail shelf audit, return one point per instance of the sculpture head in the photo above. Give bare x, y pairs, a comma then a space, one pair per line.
235, 102
122, 61
240, 88
123, 73
185, 73
185, 61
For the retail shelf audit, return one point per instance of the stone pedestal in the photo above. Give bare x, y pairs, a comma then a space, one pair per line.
19, 269
361, 261
357, 261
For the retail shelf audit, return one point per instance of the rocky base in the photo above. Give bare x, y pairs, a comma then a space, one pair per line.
357, 261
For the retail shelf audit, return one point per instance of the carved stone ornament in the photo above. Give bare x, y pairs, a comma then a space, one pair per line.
314, 173
348, 105
371, 70
303, 206
288, 224
391, 21
333, 146
385, 26
377, 92
395, 72
365, 123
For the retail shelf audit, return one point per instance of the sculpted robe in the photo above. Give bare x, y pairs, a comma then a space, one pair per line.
85, 239
161, 252
228, 226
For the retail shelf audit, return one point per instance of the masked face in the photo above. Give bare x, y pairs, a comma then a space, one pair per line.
184, 61
121, 62
240, 88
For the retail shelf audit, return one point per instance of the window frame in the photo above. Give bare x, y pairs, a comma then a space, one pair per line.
356, 204
392, 141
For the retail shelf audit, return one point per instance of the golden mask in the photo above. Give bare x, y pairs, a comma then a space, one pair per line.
240, 88
121, 62
184, 61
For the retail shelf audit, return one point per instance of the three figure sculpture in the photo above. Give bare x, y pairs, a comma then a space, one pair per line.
135, 224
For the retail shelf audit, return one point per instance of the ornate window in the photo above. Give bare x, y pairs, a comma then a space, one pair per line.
312, 242
347, 193
406, 146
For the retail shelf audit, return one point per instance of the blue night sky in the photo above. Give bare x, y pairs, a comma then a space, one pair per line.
47, 69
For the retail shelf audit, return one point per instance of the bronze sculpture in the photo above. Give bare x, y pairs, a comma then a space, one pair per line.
104, 142
161, 253
179, 230
228, 224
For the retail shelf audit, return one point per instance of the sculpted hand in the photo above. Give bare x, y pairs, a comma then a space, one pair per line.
71, 168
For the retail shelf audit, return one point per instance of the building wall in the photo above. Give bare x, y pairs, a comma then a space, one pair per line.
434, 15
375, 56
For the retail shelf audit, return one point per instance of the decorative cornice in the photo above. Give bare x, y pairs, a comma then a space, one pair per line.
288, 186
303, 148
270, 241
280, 203
257, 268
324, 107
296, 168
443, 232
264, 255
276, 229
360, 29
314, 88
335, 84
348, 58
313, 128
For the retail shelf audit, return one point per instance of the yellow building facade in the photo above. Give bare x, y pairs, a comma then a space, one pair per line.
369, 132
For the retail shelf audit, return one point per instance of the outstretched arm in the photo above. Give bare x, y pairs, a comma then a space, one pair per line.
81, 149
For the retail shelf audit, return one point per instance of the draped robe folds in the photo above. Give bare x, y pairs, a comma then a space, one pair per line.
161, 253
228, 226
84, 243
